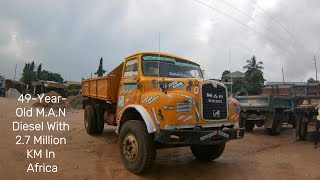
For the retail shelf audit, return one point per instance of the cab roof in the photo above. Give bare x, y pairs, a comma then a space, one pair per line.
161, 53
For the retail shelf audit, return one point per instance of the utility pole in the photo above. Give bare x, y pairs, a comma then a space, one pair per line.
315, 66
15, 73
230, 71
282, 76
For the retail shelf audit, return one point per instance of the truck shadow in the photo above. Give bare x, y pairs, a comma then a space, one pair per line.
263, 131
183, 165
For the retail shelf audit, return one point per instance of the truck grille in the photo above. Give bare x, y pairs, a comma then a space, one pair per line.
214, 102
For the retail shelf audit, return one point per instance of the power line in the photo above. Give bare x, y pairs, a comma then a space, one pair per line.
258, 22
272, 18
266, 37
278, 22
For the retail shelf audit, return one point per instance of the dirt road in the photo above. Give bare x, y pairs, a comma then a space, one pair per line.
257, 156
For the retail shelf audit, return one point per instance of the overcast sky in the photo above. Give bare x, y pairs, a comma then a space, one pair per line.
69, 37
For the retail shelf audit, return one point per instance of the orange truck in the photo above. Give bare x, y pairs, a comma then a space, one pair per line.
158, 100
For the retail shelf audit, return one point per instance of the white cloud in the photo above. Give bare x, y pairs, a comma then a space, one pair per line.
63, 34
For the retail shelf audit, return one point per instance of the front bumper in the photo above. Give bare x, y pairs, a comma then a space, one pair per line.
200, 137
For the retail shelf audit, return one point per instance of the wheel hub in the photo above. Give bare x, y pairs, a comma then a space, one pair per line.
130, 147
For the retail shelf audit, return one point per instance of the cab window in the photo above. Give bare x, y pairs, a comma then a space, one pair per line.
131, 68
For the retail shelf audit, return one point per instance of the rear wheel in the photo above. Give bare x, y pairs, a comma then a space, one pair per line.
276, 124
90, 120
136, 145
207, 152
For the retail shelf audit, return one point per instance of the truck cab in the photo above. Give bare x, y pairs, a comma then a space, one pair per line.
158, 100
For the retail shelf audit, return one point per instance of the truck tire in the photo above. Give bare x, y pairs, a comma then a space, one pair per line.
249, 125
136, 145
302, 128
100, 120
90, 120
276, 124
207, 152
241, 122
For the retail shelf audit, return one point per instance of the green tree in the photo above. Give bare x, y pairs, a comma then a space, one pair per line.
28, 73
100, 70
39, 69
49, 76
254, 75
225, 72
237, 85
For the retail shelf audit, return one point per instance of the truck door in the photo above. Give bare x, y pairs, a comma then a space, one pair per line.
128, 85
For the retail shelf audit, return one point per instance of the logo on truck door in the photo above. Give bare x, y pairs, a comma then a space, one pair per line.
216, 113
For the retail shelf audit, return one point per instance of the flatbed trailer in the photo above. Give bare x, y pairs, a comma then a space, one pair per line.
269, 111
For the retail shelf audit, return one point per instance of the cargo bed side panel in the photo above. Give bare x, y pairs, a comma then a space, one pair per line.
105, 87
102, 88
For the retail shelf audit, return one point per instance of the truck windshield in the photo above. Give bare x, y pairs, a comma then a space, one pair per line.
169, 67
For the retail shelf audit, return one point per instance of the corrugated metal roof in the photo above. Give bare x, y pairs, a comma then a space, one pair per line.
287, 83
73, 83
37, 83
51, 84
282, 86
236, 74
19, 82
314, 84
54, 85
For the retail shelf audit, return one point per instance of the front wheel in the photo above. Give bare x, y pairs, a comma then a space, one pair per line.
136, 145
207, 152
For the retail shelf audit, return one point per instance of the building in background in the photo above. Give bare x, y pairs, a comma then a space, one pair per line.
231, 77
40, 87
292, 88
19, 85
313, 88
73, 87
